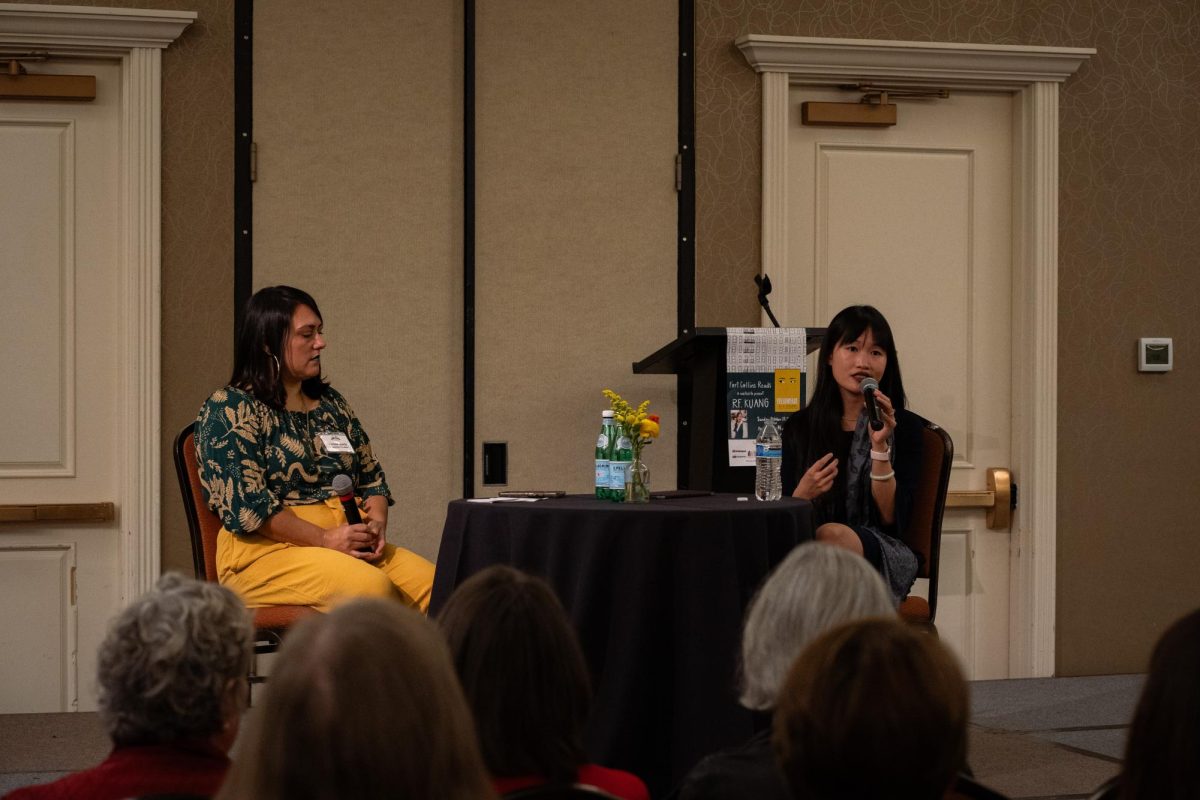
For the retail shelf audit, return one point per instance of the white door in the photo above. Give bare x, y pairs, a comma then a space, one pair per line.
916, 219
59, 222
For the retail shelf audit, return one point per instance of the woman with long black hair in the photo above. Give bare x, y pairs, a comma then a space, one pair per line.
268, 446
861, 481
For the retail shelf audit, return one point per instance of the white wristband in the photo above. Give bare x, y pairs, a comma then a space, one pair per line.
886, 455
887, 477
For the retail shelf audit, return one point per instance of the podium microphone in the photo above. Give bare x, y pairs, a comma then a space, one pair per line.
344, 488
868, 387
764, 289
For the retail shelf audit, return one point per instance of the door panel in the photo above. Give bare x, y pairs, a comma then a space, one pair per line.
916, 219
37, 661
60, 328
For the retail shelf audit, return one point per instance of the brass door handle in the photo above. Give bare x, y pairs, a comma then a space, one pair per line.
999, 498
58, 512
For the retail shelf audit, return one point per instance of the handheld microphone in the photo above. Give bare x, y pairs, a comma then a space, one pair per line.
869, 387
344, 488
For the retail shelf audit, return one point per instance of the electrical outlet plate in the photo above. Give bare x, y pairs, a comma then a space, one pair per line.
495, 463
1155, 354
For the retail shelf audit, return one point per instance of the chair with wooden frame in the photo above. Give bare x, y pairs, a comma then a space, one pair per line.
924, 533
270, 622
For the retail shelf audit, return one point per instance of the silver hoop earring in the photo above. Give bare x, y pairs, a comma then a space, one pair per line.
276, 360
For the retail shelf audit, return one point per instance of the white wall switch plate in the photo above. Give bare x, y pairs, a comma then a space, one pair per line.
1155, 355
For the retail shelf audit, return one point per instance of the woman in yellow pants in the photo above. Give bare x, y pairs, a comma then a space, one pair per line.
268, 446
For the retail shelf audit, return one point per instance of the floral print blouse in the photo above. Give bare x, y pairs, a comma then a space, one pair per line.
254, 460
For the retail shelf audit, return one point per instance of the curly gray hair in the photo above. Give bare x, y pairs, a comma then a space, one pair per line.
168, 659
815, 588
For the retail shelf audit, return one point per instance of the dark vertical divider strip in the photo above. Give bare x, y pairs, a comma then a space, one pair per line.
686, 259
469, 250
243, 126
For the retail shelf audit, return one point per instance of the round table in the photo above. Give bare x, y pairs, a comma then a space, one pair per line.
657, 593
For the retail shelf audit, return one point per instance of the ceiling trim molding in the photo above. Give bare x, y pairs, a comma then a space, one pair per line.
90, 28
953, 65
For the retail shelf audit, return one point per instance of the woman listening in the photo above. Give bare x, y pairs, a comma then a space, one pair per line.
268, 447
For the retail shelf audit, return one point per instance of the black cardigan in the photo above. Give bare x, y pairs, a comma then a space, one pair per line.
906, 460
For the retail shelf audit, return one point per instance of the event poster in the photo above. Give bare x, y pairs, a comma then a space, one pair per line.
765, 369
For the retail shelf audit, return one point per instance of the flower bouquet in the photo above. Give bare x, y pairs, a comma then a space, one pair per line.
639, 429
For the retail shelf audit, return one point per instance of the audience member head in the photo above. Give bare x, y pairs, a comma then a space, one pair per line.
872, 709
1161, 753
362, 703
815, 588
522, 671
260, 355
174, 664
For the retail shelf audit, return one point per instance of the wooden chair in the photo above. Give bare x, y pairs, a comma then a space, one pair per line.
924, 534
270, 622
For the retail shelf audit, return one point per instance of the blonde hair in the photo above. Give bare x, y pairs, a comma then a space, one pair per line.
364, 703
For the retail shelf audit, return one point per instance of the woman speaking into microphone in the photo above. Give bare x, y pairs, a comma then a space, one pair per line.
269, 446
861, 477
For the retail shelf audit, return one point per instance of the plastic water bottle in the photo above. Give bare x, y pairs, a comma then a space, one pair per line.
618, 467
768, 461
604, 445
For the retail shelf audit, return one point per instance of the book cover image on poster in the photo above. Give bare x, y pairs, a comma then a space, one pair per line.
751, 399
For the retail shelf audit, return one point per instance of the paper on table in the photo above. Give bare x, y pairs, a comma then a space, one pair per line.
504, 499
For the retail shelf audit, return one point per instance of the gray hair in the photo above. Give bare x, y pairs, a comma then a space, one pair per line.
815, 588
168, 659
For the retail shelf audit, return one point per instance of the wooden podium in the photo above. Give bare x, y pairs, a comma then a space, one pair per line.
698, 358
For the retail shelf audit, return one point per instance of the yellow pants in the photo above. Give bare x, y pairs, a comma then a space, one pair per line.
269, 573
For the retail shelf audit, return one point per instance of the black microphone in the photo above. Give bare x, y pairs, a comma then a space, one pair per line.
344, 488
764, 289
868, 387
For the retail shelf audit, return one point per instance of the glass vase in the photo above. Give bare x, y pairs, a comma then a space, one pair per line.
637, 481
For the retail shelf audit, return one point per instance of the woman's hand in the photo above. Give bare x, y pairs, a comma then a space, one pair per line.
887, 413
353, 540
817, 479
376, 508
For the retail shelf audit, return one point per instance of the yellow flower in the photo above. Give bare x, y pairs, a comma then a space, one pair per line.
648, 429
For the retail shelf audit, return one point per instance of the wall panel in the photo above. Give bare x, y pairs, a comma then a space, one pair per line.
357, 117
576, 216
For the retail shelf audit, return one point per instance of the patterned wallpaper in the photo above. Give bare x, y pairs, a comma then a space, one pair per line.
1129, 229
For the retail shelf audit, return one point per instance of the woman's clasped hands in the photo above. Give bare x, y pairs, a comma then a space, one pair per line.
363, 540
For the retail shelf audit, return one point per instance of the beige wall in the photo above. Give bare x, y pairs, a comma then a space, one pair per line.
1127, 557
358, 200
576, 219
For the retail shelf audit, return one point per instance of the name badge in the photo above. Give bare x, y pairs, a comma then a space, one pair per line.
336, 443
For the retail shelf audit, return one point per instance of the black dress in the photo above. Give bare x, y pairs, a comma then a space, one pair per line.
882, 541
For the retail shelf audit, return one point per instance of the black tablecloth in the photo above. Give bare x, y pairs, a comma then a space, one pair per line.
657, 593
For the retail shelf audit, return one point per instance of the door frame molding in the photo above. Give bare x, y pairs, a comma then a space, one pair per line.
135, 38
1033, 75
